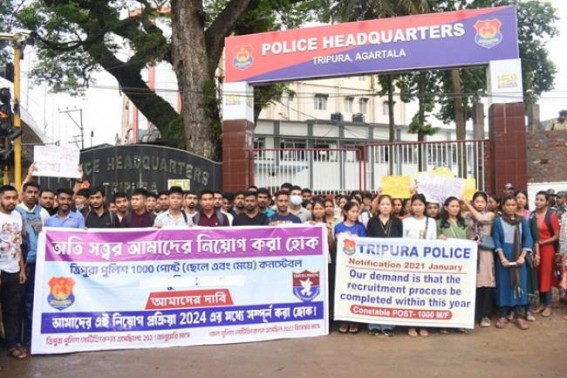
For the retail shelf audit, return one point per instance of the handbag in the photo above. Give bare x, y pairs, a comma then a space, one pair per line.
486, 242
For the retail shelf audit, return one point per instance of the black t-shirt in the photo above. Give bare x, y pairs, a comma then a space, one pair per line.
133, 220
106, 220
394, 228
242, 219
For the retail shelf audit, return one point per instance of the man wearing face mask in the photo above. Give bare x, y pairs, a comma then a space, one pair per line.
82, 201
295, 201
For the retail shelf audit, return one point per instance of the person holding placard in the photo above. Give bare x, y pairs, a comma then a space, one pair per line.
480, 229
513, 241
419, 226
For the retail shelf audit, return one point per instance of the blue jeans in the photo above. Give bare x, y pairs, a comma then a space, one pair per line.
380, 327
545, 298
10, 294
27, 305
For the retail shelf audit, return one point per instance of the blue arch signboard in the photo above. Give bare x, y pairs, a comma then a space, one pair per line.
428, 41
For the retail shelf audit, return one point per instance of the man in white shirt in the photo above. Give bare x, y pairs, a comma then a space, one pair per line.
12, 269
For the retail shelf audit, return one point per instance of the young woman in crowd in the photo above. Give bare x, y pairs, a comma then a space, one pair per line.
545, 231
494, 204
351, 226
522, 201
480, 220
513, 241
406, 204
399, 208
384, 224
419, 226
433, 210
451, 225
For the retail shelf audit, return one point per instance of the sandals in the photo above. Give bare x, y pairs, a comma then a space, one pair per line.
343, 328
423, 332
18, 353
353, 328
522, 324
546, 312
412, 332
501, 323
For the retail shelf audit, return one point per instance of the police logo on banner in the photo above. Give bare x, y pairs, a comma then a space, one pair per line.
306, 285
242, 57
61, 292
349, 246
488, 33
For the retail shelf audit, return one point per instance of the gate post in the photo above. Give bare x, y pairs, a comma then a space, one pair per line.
508, 149
237, 136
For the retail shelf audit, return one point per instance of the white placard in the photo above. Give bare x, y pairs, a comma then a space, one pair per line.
437, 188
55, 161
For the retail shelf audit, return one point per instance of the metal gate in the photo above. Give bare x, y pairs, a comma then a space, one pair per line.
346, 169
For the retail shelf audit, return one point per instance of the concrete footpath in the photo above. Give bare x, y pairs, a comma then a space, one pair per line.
486, 352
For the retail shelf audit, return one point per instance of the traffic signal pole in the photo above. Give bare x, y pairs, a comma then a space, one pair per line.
17, 118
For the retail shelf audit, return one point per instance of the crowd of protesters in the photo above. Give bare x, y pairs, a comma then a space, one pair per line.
520, 252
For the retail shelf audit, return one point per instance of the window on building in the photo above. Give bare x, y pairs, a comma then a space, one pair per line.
321, 101
294, 149
385, 110
363, 105
349, 101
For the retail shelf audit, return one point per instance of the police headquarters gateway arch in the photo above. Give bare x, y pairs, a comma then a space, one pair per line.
478, 37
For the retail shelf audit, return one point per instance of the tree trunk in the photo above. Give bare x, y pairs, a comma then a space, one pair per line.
459, 108
189, 59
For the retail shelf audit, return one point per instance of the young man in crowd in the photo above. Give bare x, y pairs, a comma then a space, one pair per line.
82, 201
251, 215
12, 270
295, 201
163, 201
218, 200
190, 201
139, 216
33, 218
151, 203
47, 200
264, 202
65, 217
228, 203
282, 215
99, 216
174, 216
238, 203
209, 216
122, 204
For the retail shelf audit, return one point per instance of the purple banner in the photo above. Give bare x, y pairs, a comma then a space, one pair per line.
180, 244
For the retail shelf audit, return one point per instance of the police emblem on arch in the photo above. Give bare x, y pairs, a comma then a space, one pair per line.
61, 292
488, 33
306, 285
242, 57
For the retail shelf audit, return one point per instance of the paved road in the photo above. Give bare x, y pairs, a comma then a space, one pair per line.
538, 352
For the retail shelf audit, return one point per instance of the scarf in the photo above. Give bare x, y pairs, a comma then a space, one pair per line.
516, 251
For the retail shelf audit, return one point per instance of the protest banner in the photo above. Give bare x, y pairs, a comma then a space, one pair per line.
123, 289
396, 186
56, 161
429, 283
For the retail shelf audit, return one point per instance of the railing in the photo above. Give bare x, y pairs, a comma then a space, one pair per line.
322, 170
347, 169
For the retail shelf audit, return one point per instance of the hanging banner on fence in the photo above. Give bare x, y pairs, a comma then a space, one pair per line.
430, 283
417, 42
123, 289
396, 186
437, 188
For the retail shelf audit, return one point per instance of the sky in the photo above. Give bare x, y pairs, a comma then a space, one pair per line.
102, 105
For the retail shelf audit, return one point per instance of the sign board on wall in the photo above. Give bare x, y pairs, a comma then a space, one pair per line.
435, 40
